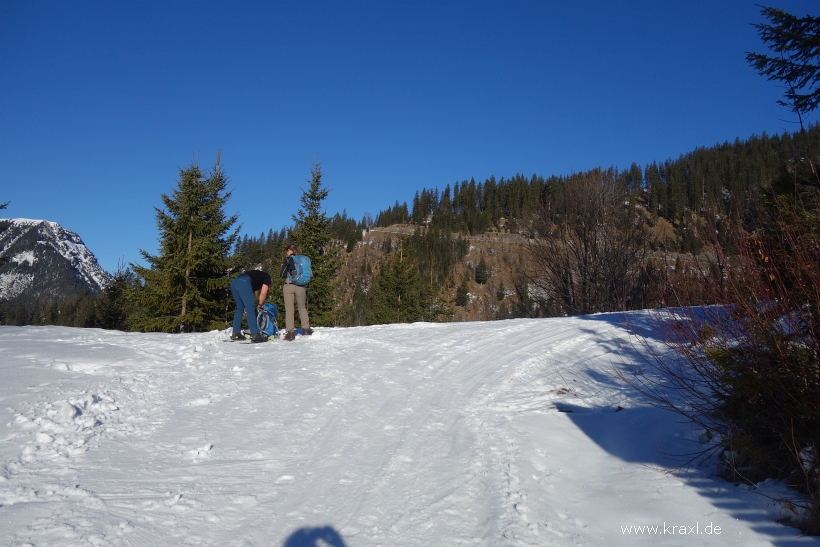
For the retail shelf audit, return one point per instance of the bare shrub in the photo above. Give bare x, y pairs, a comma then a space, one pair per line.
747, 368
588, 244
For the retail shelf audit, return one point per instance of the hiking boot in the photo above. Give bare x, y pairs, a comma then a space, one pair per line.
237, 336
258, 337
307, 332
290, 337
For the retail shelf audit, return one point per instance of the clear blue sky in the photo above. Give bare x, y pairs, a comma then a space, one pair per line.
101, 102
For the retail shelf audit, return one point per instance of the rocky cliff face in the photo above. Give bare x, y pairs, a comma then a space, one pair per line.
45, 261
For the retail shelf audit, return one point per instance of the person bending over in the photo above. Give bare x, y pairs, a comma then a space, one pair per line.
243, 288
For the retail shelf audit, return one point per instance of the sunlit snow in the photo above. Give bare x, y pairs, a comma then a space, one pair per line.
495, 433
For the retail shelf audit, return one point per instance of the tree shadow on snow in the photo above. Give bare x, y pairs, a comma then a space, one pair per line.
315, 537
658, 437
644, 323
657, 324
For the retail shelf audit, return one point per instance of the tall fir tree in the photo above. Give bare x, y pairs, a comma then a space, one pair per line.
312, 233
482, 272
112, 306
184, 287
397, 295
463, 291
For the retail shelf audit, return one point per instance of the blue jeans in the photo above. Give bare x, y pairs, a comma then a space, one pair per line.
245, 301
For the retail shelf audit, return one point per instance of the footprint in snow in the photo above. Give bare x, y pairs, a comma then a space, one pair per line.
197, 453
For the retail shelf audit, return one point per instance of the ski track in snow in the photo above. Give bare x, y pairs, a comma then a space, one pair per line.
502, 433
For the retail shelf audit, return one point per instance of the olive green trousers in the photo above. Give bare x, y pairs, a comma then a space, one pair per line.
292, 292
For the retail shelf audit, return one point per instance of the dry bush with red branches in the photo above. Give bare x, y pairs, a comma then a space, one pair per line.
747, 367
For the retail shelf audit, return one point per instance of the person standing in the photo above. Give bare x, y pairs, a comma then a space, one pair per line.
243, 289
291, 292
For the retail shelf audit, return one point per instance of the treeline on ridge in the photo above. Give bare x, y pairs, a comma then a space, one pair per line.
724, 178
719, 182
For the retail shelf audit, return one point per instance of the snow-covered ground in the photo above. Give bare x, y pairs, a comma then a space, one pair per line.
500, 433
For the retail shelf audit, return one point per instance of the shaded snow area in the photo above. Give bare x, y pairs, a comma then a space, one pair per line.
501, 433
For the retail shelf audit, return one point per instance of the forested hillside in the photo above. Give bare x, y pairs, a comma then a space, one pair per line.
460, 253
725, 177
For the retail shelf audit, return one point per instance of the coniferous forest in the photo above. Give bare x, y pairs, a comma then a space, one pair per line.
673, 200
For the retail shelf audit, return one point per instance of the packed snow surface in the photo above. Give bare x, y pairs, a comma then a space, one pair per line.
500, 433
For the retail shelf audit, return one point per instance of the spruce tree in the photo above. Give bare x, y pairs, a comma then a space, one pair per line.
52, 313
796, 43
482, 272
312, 233
501, 292
19, 315
397, 295
184, 288
112, 307
463, 292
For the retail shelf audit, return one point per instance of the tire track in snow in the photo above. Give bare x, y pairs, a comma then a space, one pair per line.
541, 361
401, 435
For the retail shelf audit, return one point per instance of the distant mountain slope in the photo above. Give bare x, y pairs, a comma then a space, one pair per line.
46, 261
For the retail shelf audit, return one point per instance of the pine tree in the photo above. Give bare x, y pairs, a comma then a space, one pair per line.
37, 316
112, 307
482, 272
795, 40
52, 313
397, 295
463, 292
19, 316
184, 288
312, 233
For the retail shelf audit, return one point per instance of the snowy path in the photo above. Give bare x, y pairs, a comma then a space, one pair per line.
402, 435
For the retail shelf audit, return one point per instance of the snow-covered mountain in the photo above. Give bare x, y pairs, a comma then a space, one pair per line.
45, 261
502, 433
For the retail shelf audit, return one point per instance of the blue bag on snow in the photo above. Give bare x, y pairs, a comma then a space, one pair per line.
302, 274
266, 320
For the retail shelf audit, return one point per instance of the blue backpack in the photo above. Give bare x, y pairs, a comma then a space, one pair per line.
266, 319
302, 274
